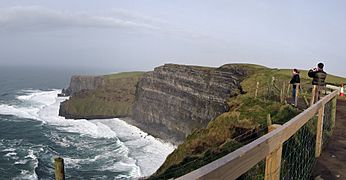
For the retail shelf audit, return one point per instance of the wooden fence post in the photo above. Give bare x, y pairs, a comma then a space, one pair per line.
313, 95
282, 93
269, 120
319, 132
256, 92
288, 91
59, 168
273, 160
297, 94
333, 113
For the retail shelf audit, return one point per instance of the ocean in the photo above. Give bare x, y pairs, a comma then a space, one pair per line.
32, 134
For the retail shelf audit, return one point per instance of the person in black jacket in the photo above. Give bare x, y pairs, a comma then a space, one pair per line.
318, 75
294, 81
318, 78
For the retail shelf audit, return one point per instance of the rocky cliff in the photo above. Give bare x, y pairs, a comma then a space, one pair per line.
79, 83
101, 96
174, 99
168, 102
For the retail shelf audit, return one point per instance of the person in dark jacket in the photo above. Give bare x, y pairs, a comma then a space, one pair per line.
294, 81
318, 75
318, 78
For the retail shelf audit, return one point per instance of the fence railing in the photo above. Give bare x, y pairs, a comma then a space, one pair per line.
288, 151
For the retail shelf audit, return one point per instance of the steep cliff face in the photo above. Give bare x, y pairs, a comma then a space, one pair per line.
100, 97
79, 83
174, 99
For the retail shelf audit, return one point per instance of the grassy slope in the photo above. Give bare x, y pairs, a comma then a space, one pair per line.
223, 134
114, 99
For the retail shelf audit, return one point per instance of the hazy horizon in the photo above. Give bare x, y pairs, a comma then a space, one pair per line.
114, 36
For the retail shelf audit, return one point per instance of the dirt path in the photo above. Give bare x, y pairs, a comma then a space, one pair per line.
332, 163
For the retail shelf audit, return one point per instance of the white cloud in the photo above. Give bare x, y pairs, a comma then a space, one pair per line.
41, 18
136, 16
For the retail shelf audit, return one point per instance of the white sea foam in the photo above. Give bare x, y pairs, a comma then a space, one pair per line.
8, 150
10, 154
141, 154
26, 173
21, 162
24, 112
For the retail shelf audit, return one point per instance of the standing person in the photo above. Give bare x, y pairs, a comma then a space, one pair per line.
294, 81
318, 79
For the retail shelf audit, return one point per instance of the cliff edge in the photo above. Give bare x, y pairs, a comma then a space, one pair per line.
97, 97
177, 99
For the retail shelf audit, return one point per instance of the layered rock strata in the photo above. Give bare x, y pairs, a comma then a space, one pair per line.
175, 99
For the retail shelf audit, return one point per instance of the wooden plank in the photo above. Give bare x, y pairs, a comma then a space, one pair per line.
319, 132
273, 161
243, 159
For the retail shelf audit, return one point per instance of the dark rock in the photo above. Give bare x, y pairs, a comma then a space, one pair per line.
174, 99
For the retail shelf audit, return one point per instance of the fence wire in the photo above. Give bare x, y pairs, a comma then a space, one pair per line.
327, 123
298, 153
194, 162
255, 173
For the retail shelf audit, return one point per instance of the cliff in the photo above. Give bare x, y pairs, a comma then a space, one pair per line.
173, 98
177, 98
79, 83
98, 97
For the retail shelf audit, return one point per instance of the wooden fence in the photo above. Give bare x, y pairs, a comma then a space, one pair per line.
268, 147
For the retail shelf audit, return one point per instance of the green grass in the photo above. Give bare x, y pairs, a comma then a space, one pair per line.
220, 137
124, 75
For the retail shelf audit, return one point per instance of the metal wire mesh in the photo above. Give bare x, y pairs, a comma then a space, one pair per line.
327, 123
194, 162
255, 173
298, 153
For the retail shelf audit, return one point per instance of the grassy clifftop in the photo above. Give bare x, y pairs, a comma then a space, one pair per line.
246, 120
113, 99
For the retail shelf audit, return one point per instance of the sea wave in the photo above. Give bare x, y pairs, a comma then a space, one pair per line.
118, 145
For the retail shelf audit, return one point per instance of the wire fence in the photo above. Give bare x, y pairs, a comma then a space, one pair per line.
194, 162
327, 123
255, 173
299, 151
298, 154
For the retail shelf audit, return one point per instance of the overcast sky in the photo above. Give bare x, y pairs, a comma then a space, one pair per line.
139, 35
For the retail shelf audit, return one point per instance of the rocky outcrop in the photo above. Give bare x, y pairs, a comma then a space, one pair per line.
174, 99
100, 97
79, 83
